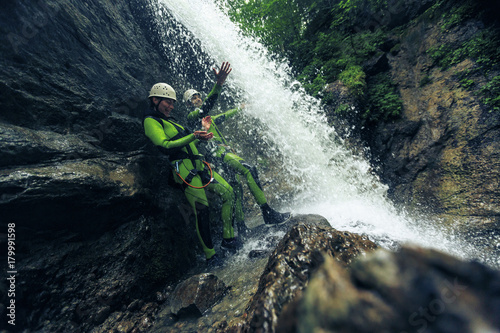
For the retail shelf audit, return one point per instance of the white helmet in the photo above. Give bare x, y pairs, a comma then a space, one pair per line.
188, 94
162, 90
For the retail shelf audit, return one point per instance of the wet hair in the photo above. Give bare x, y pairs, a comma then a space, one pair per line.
151, 103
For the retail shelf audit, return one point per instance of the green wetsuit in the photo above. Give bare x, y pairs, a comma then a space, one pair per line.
221, 152
184, 157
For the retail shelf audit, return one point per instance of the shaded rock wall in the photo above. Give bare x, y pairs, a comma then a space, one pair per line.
87, 195
74, 78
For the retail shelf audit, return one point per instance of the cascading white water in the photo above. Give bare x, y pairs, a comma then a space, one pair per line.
332, 181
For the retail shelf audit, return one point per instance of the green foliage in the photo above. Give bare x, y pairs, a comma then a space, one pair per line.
277, 23
491, 92
342, 109
307, 32
384, 102
439, 54
328, 98
324, 42
312, 78
457, 15
345, 11
467, 83
337, 53
464, 77
483, 48
354, 79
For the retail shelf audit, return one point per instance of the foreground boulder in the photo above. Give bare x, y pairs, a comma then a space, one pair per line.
414, 290
299, 254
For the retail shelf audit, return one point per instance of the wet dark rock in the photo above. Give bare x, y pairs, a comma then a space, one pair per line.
411, 290
140, 320
377, 64
257, 254
259, 288
78, 194
263, 230
194, 296
290, 266
343, 112
21, 146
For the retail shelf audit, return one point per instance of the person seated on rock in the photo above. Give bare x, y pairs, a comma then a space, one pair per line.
223, 155
189, 169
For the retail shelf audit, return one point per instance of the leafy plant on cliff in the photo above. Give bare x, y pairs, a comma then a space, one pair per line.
324, 41
319, 38
426, 79
457, 15
354, 79
334, 60
483, 47
277, 23
384, 102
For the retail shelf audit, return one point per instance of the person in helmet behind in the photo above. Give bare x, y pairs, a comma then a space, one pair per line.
189, 169
221, 153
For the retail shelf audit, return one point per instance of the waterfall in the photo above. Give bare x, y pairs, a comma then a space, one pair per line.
327, 178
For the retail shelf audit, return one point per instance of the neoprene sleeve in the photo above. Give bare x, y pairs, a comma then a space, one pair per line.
160, 136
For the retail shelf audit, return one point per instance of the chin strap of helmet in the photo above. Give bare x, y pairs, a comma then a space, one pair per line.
157, 104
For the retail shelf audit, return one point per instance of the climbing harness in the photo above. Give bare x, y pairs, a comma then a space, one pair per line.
179, 155
192, 174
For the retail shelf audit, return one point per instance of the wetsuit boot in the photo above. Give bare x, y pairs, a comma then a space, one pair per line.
215, 261
272, 217
231, 245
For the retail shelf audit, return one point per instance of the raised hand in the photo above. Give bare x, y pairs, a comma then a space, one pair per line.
221, 76
206, 122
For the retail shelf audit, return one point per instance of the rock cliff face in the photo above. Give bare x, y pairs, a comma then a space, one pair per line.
443, 153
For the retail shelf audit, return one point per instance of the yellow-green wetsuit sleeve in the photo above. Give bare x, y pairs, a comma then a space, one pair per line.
220, 118
161, 136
